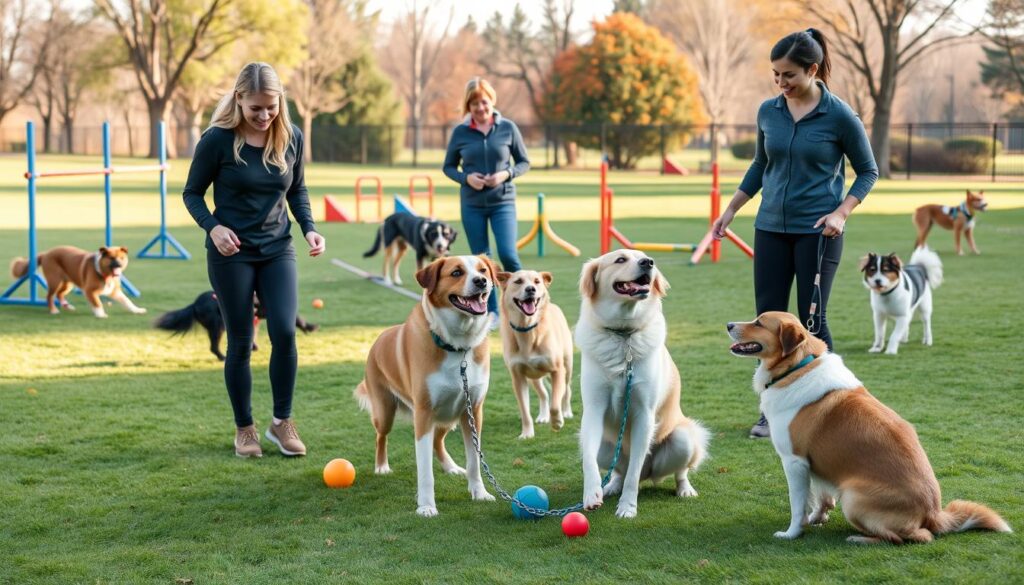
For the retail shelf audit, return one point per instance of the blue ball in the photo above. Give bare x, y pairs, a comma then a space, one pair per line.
532, 496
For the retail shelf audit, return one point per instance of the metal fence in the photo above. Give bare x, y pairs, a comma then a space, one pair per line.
994, 151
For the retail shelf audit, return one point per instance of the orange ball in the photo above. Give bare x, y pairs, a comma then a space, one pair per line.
318, 303
339, 473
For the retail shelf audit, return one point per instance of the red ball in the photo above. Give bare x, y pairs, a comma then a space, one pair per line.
575, 524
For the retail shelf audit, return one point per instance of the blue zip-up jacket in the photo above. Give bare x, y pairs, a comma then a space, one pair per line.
799, 167
488, 154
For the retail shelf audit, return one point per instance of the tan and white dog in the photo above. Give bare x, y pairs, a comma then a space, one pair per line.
416, 367
837, 441
621, 323
95, 273
960, 219
537, 343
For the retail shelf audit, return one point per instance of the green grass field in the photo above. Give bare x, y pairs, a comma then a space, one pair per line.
118, 466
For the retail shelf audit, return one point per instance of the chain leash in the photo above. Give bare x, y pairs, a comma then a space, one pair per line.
538, 512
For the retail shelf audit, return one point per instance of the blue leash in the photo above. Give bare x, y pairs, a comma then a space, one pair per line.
537, 512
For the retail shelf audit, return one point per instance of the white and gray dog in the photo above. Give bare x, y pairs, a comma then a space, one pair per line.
898, 290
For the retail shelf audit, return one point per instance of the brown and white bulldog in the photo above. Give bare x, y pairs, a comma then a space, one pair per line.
960, 219
95, 273
416, 367
537, 343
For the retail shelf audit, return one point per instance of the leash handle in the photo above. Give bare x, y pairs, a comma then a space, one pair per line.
814, 325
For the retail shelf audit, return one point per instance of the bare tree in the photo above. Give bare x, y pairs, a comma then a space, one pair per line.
162, 39
857, 26
514, 51
412, 56
21, 61
334, 41
1003, 69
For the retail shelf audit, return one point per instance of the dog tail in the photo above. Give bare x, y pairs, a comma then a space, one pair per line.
961, 515
700, 436
178, 322
376, 243
925, 257
362, 396
19, 267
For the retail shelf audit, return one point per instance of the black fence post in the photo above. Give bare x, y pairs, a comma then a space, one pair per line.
362, 143
995, 144
910, 140
604, 139
391, 146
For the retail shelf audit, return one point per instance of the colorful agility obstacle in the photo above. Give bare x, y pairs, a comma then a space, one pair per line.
377, 196
429, 193
707, 245
540, 227
708, 240
35, 283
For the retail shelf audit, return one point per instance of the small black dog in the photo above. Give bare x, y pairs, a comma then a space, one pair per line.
426, 235
206, 312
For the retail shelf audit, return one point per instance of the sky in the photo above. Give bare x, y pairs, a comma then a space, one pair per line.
482, 10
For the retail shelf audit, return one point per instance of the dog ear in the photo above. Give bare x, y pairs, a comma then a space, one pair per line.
503, 279
429, 275
895, 261
451, 236
547, 278
588, 279
660, 285
791, 336
492, 268
866, 261
103, 251
123, 249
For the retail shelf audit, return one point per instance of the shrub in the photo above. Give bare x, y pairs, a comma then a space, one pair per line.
744, 149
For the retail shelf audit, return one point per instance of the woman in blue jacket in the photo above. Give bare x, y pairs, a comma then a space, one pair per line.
803, 136
485, 146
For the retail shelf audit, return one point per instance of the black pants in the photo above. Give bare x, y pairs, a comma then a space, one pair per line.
276, 282
780, 256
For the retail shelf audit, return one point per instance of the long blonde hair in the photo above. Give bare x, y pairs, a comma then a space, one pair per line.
257, 78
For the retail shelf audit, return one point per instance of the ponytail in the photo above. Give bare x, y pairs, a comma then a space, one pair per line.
805, 48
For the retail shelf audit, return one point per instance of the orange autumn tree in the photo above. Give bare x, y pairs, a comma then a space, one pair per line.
631, 79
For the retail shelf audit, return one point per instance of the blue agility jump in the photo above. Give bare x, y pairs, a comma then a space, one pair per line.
32, 280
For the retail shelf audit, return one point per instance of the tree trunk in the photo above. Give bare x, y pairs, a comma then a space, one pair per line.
307, 137
69, 135
157, 113
572, 154
193, 119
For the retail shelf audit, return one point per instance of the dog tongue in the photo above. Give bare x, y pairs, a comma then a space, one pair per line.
476, 303
529, 307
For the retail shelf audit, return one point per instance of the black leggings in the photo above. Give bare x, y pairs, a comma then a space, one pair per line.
276, 283
780, 256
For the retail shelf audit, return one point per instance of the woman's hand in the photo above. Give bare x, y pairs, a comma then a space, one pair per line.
317, 243
225, 240
497, 178
476, 181
718, 228
834, 224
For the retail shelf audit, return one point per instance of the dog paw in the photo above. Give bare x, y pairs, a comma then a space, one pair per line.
626, 510
480, 494
68, 306
382, 469
453, 469
567, 413
543, 417
592, 499
875, 349
787, 534
427, 511
686, 491
397, 282
817, 519
526, 434
100, 315
139, 311
557, 422
891, 351
388, 281
54, 312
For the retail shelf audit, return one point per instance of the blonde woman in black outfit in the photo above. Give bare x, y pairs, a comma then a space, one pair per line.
252, 155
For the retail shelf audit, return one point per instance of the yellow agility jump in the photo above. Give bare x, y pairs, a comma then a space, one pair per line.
540, 228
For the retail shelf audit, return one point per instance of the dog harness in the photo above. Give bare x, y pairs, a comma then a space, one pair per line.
955, 211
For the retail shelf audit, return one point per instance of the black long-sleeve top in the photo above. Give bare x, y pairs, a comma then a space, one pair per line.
249, 199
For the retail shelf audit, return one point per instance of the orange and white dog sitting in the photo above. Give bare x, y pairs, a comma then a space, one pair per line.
837, 441
960, 219
95, 273
621, 320
417, 367
537, 343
